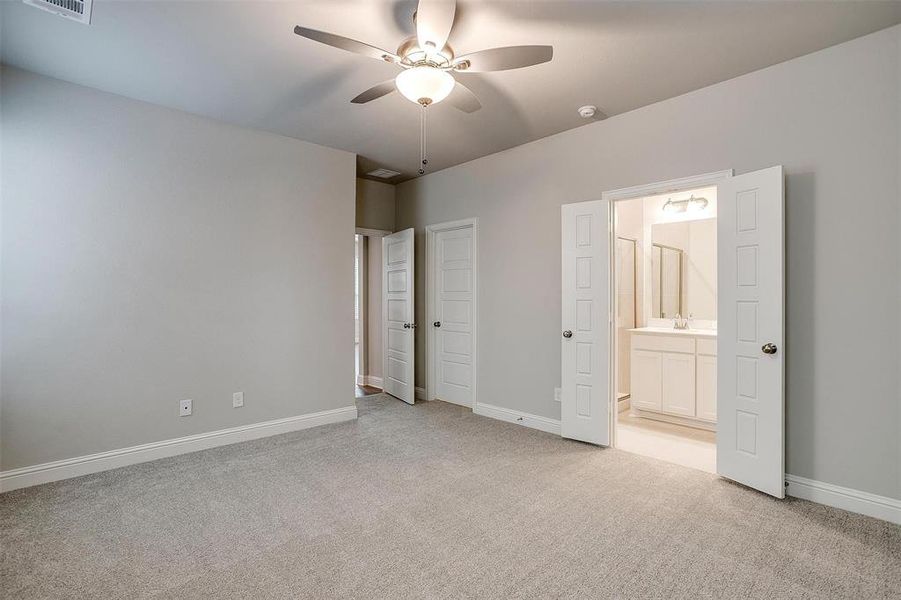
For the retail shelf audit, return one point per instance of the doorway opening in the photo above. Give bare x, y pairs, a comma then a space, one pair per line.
367, 312
725, 372
664, 266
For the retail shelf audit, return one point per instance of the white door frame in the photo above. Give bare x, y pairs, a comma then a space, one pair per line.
364, 231
363, 300
629, 193
431, 232
363, 377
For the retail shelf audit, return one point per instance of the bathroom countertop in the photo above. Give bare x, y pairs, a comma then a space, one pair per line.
704, 333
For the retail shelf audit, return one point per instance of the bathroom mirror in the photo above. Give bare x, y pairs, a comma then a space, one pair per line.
666, 282
683, 269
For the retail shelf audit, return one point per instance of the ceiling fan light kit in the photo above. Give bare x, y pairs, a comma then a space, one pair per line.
428, 61
424, 84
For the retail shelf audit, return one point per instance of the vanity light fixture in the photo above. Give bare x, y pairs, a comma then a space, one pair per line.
689, 204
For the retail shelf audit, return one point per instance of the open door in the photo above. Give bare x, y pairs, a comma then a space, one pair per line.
750, 441
397, 315
585, 401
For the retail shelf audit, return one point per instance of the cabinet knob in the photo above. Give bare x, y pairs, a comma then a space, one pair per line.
567, 334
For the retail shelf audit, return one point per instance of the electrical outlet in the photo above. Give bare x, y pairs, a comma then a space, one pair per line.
185, 407
556, 394
237, 399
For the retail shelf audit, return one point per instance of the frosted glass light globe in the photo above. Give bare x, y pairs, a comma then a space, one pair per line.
424, 84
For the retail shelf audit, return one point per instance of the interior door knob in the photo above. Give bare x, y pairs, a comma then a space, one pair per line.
406, 325
769, 348
437, 323
567, 334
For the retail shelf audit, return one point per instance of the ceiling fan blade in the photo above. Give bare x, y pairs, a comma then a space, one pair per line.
462, 98
434, 20
502, 59
339, 41
375, 92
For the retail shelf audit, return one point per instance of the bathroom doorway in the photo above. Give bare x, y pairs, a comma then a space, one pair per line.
664, 294
720, 372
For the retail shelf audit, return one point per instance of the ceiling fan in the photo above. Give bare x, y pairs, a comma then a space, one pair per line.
428, 62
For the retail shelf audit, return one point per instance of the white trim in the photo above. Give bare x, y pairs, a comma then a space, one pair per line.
692, 422
864, 503
421, 394
612, 197
430, 231
518, 417
671, 185
372, 232
113, 459
372, 381
463, 404
365, 276
361, 257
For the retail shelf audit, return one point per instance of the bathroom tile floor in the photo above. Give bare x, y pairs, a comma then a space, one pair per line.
686, 446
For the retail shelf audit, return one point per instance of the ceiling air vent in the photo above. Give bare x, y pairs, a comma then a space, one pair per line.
77, 10
383, 173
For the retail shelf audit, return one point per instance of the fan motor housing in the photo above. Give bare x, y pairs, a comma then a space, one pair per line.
412, 54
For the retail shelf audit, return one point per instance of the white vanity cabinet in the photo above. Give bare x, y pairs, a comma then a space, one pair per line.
706, 379
674, 375
647, 390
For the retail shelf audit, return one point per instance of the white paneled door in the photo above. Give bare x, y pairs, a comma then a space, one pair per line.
397, 315
453, 315
585, 401
750, 355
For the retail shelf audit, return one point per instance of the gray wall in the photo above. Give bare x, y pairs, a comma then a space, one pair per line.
832, 118
375, 205
149, 255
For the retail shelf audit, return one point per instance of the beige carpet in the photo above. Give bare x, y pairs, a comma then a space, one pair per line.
430, 501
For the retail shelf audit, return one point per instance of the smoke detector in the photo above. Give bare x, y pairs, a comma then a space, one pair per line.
588, 111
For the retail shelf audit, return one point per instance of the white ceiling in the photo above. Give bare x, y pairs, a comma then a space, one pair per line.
240, 62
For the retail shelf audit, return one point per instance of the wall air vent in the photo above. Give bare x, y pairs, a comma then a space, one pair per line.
77, 10
383, 173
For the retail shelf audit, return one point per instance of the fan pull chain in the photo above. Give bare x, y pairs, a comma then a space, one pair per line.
423, 161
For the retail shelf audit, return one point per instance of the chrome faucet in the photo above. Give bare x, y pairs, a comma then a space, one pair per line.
679, 322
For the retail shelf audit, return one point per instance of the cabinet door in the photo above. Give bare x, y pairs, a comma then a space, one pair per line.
679, 384
707, 387
646, 380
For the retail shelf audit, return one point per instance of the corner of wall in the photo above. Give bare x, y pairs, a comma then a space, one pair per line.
376, 205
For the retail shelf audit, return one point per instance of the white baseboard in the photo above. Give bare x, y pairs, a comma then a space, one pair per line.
113, 459
373, 381
675, 419
880, 507
420, 394
520, 418
455, 403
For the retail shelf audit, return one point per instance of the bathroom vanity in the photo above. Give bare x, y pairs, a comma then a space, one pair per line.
673, 375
